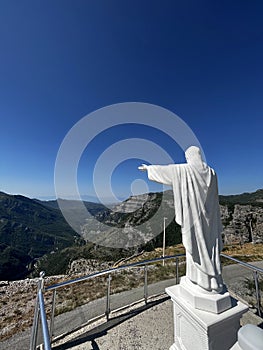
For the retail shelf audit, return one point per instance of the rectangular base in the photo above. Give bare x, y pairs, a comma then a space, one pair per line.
202, 330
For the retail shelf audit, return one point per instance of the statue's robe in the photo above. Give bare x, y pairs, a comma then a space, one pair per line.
197, 212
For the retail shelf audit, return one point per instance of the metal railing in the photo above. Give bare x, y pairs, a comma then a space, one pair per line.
256, 271
40, 310
40, 307
108, 273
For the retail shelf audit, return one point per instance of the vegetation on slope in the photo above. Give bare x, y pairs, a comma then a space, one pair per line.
28, 230
254, 198
32, 230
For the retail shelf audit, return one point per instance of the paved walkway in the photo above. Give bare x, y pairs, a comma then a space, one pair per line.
237, 273
66, 322
143, 328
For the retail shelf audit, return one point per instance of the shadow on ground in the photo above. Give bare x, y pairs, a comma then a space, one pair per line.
102, 330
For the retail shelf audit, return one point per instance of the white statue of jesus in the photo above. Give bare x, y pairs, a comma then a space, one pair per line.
197, 212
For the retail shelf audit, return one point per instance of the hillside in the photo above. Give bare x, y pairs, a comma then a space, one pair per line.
136, 221
112, 243
242, 217
32, 230
242, 224
93, 208
28, 230
254, 198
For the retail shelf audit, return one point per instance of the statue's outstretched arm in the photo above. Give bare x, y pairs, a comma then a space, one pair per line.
158, 173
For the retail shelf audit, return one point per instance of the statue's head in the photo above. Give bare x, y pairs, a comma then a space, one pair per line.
193, 156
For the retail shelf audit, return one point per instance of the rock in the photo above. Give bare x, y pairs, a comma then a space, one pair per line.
242, 224
87, 266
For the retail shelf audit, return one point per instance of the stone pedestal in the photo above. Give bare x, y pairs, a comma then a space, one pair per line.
203, 300
202, 330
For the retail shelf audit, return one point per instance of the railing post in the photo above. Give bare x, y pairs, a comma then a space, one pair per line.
53, 308
177, 269
33, 339
145, 284
40, 286
108, 299
46, 337
258, 296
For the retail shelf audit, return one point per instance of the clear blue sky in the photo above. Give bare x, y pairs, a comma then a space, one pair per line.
61, 60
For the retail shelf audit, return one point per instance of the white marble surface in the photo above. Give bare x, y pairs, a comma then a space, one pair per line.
197, 211
202, 330
206, 301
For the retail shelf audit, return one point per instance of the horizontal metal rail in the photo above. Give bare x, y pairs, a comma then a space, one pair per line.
247, 265
256, 271
142, 263
114, 269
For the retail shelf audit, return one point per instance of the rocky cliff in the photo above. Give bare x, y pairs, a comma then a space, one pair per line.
242, 223
242, 216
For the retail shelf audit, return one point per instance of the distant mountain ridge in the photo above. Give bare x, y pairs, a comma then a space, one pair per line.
30, 229
254, 198
92, 207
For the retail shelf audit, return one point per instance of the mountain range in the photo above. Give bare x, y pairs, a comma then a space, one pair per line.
31, 229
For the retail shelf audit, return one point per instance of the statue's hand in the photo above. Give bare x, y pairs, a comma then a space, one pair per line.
143, 167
